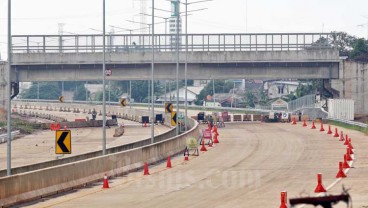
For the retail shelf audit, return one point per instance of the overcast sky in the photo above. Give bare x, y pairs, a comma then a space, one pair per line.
222, 16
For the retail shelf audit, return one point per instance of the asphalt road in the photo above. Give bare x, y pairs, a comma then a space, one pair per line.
249, 168
40, 146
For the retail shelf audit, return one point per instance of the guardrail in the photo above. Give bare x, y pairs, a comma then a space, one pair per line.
90, 43
4, 137
191, 107
353, 123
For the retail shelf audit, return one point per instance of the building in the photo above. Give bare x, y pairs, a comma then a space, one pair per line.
173, 24
191, 95
276, 89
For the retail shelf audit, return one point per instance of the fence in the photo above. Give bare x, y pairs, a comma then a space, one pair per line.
307, 101
89, 43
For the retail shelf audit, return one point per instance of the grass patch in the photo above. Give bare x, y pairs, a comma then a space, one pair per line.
18, 124
349, 126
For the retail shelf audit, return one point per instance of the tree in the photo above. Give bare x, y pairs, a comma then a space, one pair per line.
80, 93
343, 42
48, 91
250, 99
220, 86
360, 50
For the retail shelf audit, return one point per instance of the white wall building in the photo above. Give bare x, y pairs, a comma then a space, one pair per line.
276, 89
191, 95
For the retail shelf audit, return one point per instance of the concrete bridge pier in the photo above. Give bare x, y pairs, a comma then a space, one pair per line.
3, 91
353, 84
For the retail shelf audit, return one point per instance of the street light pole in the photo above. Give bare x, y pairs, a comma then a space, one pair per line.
130, 94
177, 62
103, 84
152, 74
8, 146
186, 65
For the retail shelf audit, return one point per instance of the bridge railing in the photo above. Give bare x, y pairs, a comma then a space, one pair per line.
89, 43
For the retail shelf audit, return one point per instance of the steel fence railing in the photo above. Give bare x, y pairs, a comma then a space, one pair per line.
90, 43
307, 101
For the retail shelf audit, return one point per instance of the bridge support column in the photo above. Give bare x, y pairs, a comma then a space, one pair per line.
353, 84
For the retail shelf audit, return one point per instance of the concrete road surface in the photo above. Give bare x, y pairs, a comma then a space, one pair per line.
249, 168
40, 146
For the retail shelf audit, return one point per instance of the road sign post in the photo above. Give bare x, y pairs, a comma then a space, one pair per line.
61, 99
123, 102
173, 118
63, 142
168, 107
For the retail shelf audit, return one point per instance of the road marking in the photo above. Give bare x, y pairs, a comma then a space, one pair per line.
335, 182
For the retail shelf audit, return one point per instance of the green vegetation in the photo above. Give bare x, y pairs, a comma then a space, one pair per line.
48, 91
18, 124
351, 46
221, 86
80, 93
349, 126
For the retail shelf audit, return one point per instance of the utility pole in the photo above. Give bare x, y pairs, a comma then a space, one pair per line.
103, 83
8, 146
177, 13
152, 74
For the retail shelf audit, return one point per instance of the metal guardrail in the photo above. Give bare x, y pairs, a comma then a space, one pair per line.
90, 43
202, 108
4, 137
350, 122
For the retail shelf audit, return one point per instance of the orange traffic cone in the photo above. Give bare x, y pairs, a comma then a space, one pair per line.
65, 127
186, 154
341, 136
203, 148
329, 130
294, 121
304, 124
350, 145
319, 187
105, 182
351, 151
186, 158
146, 172
168, 164
341, 173
322, 129
145, 124
214, 129
210, 144
336, 134
283, 199
346, 141
313, 126
346, 137
215, 140
348, 156
345, 164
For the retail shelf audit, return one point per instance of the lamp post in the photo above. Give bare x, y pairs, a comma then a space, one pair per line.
152, 74
8, 146
103, 83
186, 57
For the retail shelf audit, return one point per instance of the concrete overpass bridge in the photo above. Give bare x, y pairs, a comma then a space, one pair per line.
210, 56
